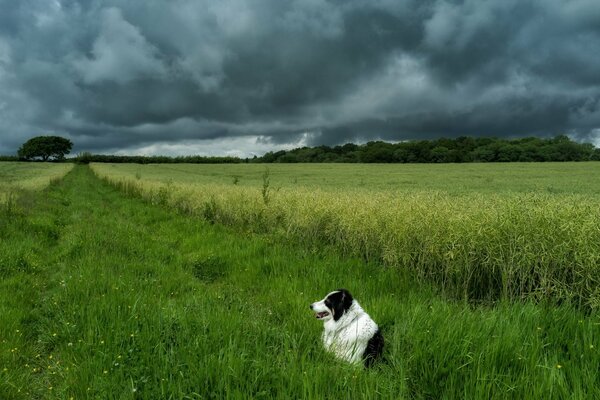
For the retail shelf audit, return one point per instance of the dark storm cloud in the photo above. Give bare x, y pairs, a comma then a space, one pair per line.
118, 74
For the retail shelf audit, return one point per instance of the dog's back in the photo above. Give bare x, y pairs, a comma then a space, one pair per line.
374, 349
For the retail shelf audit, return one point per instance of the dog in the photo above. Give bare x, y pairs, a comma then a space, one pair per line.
349, 333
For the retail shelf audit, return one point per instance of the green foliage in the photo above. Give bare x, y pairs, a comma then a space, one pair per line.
460, 150
134, 301
207, 267
16, 177
473, 231
45, 147
86, 157
266, 192
210, 211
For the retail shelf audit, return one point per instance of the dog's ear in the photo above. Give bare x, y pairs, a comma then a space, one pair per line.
341, 301
346, 299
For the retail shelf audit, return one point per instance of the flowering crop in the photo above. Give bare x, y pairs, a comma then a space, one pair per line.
473, 245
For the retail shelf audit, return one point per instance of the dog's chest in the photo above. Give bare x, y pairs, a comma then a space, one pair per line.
348, 340
338, 335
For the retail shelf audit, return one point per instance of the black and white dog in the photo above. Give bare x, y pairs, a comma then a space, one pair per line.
349, 333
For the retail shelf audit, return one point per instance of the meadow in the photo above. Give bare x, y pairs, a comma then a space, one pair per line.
18, 176
455, 179
477, 231
119, 291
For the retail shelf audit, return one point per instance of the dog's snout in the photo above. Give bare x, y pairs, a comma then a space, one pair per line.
311, 306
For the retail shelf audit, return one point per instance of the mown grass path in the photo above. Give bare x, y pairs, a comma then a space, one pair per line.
104, 296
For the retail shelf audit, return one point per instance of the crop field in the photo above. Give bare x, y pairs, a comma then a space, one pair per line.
18, 176
454, 179
532, 232
193, 281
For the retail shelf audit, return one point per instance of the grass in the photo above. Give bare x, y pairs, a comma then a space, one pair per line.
473, 245
18, 176
453, 179
107, 296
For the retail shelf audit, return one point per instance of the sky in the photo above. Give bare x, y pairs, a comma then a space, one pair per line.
242, 77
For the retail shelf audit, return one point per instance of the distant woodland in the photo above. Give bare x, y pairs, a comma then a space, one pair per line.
459, 150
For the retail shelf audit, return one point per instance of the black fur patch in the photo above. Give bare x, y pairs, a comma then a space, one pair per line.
339, 302
374, 349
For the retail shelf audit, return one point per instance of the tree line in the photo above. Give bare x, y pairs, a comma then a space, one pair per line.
459, 150
86, 158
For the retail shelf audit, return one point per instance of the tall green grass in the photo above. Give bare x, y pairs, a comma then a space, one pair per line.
108, 297
477, 246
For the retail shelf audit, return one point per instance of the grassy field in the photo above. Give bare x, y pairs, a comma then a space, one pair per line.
456, 179
479, 232
106, 296
19, 176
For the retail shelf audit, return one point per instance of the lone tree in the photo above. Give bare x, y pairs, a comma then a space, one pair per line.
45, 147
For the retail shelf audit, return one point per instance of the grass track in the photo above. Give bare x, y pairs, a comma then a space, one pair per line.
103, 296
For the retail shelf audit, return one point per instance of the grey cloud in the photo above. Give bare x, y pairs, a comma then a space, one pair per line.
120, 53
117, 74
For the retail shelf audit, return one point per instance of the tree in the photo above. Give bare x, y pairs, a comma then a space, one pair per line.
378, 152
45, 147
439, 154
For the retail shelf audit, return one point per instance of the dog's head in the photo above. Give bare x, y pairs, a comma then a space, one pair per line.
334, 305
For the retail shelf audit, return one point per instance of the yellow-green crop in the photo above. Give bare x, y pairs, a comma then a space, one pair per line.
17, 176
534, 236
